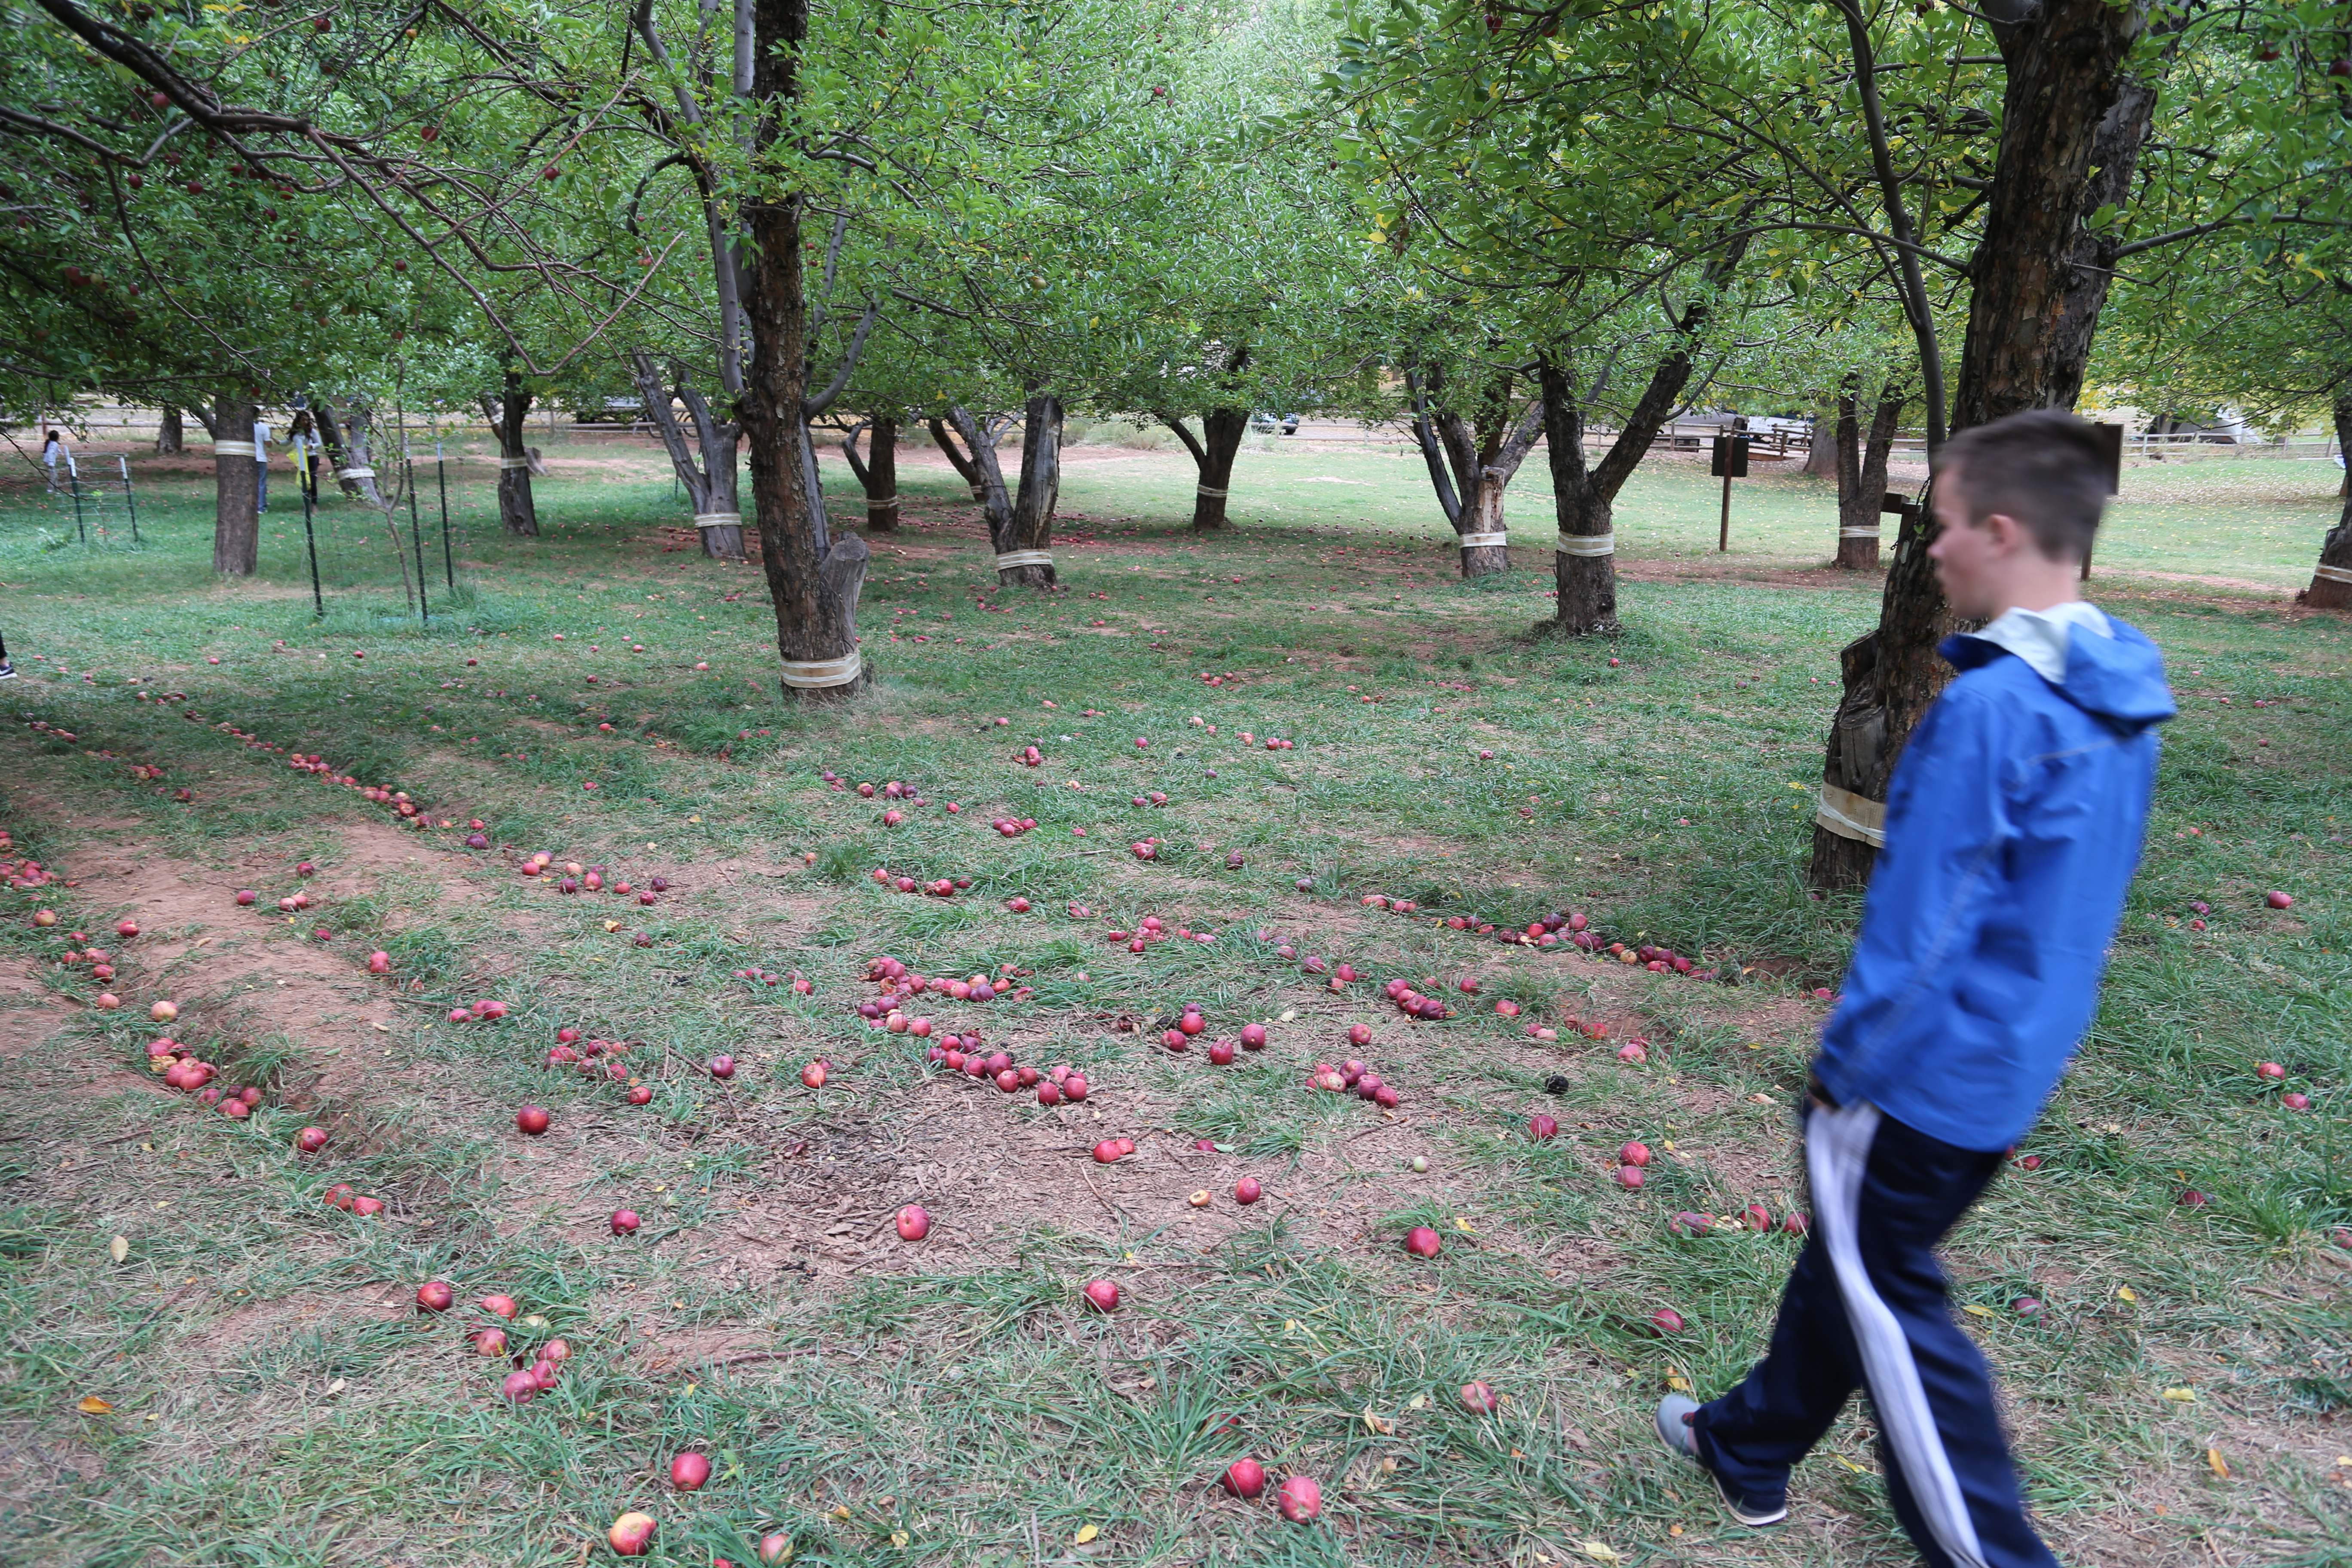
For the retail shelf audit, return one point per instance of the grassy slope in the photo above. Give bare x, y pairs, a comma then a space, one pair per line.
966, 1406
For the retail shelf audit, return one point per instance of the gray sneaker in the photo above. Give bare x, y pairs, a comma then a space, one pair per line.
1675, 1413
7, 670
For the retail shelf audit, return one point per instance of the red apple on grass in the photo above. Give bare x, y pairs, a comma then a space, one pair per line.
1543, 1128
689, 1471
2280, 900
1479, 1398
632, 1535
625, 1222
1300, 1500
1633, 1155
500, 1306
519, 1387
722, 1065
1422, 1242
1244, 1477
914, 1223
1102, 1295
532, 1120
435, 1296
1666, 1320
813, 1075
310, 1140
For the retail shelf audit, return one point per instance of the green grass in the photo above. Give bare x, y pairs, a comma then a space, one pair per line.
274, 1401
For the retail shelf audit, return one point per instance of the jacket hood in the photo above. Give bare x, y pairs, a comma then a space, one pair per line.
2102, 665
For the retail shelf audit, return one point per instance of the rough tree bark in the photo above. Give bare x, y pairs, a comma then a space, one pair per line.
517, 513
1584, 566
170, 435
813, 580
2072, 127
1022, 522
2331, 580
1220, 440
1861, 474
237, 525
1472, 460
1820, 455
707, 469
877, 476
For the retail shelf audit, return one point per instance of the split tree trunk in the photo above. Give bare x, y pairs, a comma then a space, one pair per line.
2331, 581
338, 449
1219, 441
237, 525
1862, 476
708, 479
964, 466
878, 475
518, 514
813, 580
1024, 519
1584, 496
170, 435
1472, 462
2071, 130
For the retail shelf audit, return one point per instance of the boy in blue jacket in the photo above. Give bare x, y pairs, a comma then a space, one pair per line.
2014, 825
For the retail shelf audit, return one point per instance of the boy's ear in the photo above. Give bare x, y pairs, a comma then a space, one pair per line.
2008, 533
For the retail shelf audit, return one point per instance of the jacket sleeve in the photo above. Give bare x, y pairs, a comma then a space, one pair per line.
1948, 827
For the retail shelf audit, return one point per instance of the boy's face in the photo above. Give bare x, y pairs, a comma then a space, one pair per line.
1971, 559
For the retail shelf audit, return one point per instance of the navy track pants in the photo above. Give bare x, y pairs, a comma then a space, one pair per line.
1864, 1306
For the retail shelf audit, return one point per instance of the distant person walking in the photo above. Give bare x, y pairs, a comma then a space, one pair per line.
54, 450
261, 464
2013, 827
302, 440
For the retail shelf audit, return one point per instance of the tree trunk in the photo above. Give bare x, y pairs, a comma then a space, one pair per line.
2331, 580
709, 482
516, 513
1472, 462
1822, 455
236, 526
966, 467
1584, 566
813, 580
878, 474
1861, 476
170, 434
1222, 431
338, 450
1032, 531
2072, 131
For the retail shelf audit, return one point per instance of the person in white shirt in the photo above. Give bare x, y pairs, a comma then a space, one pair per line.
303, 441
262, 464
53, 452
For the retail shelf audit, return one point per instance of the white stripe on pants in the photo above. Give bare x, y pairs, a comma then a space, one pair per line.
1837, 1148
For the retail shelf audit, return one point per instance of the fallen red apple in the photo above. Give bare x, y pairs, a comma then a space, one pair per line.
1689, 1223
689, 1471
774, 1549
640, 1094
1422, 1242
722, 1065
1300, 1498
625, 1221
2270, 1070
914, 1223
500, 1306
1629, 1177
1220, 1054
813, 1075
1108, 1152
1756, 1217
1633, 1155
1102, 1296
1542, 1128
359, 1206
2280, 900
1049, 1093
1254, 1037
1248, 1191
435, 1296
379, 963
632, 1535
519, 1387
2295, 1101
532, 1120
1244, 1477
1074, 1087
1667, 1320
247, 896
127, 928
310, 1140
1797, 1224
1479, 1397
491, 1342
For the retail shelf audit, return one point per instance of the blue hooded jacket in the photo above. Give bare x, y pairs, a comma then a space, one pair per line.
2013, 827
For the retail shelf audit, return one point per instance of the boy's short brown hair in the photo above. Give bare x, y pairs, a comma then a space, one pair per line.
2046, 468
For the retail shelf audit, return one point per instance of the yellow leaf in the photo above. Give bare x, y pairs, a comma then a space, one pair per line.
1085, 1533
1602, 1552
2221, 1465
1461, 1224
2124, 1291
118, 1250
899, 1537
1421, 1401
1979, 1311
1678, 1381
91, 1404
2181, 1395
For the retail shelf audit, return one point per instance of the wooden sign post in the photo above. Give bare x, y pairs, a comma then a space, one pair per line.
1729, 463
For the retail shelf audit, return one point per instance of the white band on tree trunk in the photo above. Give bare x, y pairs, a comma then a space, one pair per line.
232, 448
2332, 575
1857, 533
1485, 541
817, 674
1852, 815
1588, 543
354, 473
1012, 558
1205, 491
514, 462
718, 519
